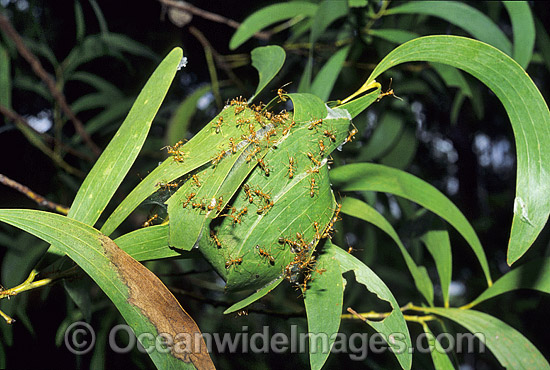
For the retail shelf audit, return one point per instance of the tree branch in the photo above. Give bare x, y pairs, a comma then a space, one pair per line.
182, 5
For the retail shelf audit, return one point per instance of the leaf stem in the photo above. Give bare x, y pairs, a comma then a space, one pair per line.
382, 315
30, 284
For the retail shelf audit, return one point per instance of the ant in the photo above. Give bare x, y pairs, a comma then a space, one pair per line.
180, 157
174, 149
351, 135
233, 262
149, 222
313, 159
263, 253
232, 145
263, 166
218, 125
281, 92
167, 185
237, 218
248, 193
196, 181
312, 187
291, 167
189, 197
239, 109
260, 193
256, 150
314, 124
287, 129
218, 157
215, 238
261, 210
322, 147
388, 92
330, 135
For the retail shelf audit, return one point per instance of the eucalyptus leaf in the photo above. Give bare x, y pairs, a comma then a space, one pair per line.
324, 299
144, 302
268, 61
526, 109
375, 177
267, 16
462, 15
393, 327
509, 346
523, 27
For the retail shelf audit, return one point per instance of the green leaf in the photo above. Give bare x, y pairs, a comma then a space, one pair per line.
42, 49
394, 324
327, 12
304, 86
124, 43
267, 16
5, 78
395, 36
79, 20
254, 297
528, 114
103, 44
99, 83
142, 299
402, 154
181, 118
363, 211
148, 243
439, 357
268, 61
294, 207
27, 83
113, 114
523, 27
323, 300
116, 160
204, 147
100, 18
438, 244
462, 15
357, 3
375, 177
532, 275
93, 101
358, 105
218, 184
543, 42
324, 80
509, 346
384, 137
453, 78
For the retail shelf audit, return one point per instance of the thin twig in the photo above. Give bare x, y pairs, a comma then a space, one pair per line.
13, 116
181, 5
30, 283
6, 26
216, 303
218, 57
32, 195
